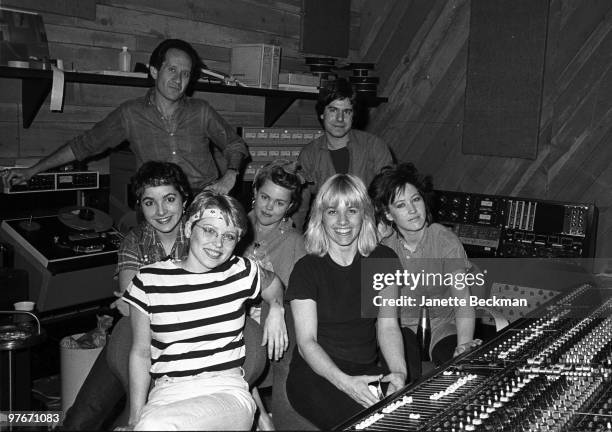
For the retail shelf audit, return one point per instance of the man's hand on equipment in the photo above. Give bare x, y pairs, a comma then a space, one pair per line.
12, 176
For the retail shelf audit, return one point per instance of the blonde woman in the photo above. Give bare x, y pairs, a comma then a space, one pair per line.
336, 355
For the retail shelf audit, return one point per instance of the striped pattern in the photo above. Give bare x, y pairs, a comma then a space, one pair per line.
197, 319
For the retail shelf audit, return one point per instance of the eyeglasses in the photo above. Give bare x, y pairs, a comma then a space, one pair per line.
211, 234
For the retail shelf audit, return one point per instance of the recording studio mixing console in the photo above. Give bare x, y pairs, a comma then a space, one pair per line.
549, 372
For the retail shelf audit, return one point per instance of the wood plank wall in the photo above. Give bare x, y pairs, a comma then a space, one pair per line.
420, 47
88, 34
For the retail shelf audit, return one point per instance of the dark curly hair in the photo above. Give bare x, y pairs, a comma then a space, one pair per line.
284, 174
340, 88
158, 56
156, 173
391, 181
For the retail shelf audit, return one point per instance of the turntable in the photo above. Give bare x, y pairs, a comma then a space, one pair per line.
70, 257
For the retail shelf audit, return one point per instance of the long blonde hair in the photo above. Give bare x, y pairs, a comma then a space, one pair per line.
350, 190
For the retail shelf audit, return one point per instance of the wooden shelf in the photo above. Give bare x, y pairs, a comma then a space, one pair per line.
36, 85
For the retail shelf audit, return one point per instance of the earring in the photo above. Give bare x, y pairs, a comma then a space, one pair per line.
253, 203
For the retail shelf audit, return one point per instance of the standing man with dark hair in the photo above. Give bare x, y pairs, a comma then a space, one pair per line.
163, 125
341, 149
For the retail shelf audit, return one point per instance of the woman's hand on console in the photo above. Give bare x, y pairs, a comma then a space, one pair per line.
396, 381
467, 346
357, 388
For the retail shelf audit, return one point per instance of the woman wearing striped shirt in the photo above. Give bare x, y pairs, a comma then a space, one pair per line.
187, 322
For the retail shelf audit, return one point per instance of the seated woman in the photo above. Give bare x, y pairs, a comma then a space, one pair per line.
400, 196
336, 354
277, 246
273, 242
162, 193
187, 323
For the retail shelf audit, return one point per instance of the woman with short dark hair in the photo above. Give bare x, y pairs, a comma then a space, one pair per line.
401, 196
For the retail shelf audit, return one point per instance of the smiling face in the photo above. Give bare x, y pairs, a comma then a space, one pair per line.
162, 207
211, 244
338, 118
172, 78
271, 203
342, 224
408, 210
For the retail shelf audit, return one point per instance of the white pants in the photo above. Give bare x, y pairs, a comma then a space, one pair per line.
209, 401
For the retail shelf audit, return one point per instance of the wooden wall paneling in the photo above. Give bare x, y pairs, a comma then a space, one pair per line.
442, 146
423, 43
455, 168
355, 35
90, 58
447, 142
400, 86
9, 90
40, 139
133, 22
472, 179
603, 247
404, 22
592, 160
428, 69
390, 16
574, 141
302, 113
579, 19
65, 34
9, 112
520, 177
9, 141
242, 118
248, 103
586, 67
73, 114
373, 18
574, 109
9, 130
224, 102
214, 50
437, 150
294, 6
574, 131
442, 103
99, 95
600, 191
78, 8
241, 14
208, 53
534, 179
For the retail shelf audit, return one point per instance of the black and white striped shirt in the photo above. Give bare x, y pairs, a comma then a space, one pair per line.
196, 319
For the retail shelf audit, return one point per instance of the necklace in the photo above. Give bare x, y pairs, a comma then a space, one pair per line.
263, 238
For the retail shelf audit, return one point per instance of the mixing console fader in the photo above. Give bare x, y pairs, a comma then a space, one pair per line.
551, 371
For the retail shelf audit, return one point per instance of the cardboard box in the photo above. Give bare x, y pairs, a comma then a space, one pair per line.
256, 65
299, 79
